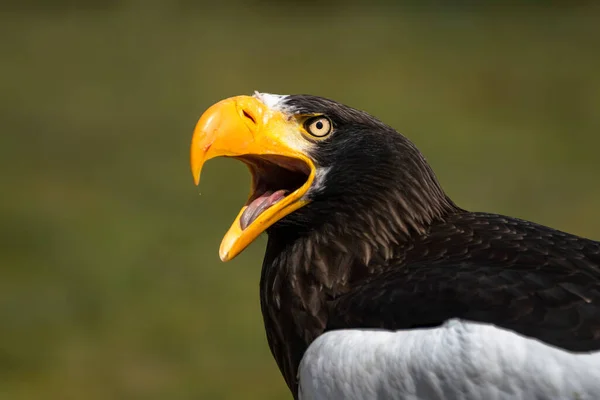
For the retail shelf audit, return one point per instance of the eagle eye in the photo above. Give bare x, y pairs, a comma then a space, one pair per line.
318, 126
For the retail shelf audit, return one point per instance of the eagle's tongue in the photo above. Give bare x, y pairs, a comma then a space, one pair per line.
260, 204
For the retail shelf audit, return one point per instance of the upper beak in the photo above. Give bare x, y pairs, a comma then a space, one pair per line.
244, 126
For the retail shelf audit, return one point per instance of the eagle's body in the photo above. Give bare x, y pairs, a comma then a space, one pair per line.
517, 275
375, 243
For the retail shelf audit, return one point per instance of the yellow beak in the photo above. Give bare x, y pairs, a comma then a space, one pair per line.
265, 139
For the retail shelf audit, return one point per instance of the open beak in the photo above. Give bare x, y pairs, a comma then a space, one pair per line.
269, 142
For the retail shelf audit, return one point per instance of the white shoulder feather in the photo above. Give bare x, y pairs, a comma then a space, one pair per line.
458, 360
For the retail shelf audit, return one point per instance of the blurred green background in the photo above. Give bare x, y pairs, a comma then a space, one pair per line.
111, 286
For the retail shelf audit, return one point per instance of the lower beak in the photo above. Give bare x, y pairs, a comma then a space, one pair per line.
245, 128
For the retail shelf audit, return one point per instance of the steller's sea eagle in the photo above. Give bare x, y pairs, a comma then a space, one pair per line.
376, 285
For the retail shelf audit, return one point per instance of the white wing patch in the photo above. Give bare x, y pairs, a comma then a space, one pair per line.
459, 360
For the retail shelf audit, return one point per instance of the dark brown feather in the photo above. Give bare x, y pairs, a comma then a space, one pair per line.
522, 276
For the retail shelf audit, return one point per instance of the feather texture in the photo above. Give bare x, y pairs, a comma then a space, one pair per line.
458, 360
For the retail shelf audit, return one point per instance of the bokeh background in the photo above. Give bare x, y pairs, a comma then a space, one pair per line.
110, 281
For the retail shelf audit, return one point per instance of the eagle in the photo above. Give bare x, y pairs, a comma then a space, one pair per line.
376, 285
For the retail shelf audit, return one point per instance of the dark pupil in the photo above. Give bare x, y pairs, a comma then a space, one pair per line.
319, 125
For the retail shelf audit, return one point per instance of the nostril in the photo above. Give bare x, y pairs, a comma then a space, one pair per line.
249, 116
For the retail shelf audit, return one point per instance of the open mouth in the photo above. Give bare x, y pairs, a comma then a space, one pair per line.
274, 177
270, 142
